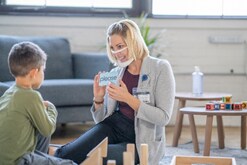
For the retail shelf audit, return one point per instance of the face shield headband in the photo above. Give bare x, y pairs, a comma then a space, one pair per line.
118, 51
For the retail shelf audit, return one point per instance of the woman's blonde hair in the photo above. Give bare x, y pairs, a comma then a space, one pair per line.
131, 35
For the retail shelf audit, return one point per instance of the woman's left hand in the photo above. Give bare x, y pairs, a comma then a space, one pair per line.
119, 93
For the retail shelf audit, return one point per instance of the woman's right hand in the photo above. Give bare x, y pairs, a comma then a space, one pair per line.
98, 91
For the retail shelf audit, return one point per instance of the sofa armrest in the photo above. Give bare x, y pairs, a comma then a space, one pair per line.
3, 88
87, 65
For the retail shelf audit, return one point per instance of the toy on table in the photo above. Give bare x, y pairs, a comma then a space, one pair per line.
226, 104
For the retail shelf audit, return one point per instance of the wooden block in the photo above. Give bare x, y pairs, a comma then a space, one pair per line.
131, 149
103, 145
228, 106
94, 159
111, 162
52, 150
216, 106
227, 99
127, 158
222, 106
144, 154
244, 104
210, 106
237, 106
189, 160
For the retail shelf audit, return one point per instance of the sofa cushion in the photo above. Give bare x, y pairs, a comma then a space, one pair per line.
69, 92
65, 92
87, 65
59, 61
74, 114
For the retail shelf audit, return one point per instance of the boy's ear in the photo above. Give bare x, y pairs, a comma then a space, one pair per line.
33, 72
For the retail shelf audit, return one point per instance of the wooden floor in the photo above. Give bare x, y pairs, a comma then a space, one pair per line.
66, 134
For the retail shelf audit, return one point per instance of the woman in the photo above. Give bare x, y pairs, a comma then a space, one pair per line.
136, 108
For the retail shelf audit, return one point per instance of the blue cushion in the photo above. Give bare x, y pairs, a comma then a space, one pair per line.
69, 92
87, 65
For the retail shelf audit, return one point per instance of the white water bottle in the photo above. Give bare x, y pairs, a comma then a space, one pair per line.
197, 80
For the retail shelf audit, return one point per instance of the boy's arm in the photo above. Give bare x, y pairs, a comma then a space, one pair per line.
43, 115
51, 111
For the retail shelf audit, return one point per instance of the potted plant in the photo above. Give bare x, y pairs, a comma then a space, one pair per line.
155, 43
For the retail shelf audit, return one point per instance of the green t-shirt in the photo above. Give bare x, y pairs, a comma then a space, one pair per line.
22, 114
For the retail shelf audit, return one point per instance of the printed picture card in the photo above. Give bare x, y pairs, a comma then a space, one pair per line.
107, 77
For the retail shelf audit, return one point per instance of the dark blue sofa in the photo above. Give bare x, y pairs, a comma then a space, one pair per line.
68, 77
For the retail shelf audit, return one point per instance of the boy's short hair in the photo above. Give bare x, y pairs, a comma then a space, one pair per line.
25, 56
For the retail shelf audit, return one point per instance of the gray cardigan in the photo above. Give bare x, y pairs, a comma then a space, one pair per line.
151, 118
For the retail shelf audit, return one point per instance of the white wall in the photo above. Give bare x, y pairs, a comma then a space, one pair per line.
186, 44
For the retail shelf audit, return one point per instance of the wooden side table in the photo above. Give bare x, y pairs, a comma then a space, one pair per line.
182, 98
209, 123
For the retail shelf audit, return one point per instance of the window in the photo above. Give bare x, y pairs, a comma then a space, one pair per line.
132, 8
200, 7
89, 7
74, 3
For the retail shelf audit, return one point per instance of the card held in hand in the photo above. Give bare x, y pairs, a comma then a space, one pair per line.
107, 77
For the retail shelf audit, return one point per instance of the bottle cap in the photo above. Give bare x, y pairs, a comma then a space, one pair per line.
197, 69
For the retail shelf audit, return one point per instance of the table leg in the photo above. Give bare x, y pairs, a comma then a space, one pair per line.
178, 124
208, 134
243, 132
194, 133
220, 130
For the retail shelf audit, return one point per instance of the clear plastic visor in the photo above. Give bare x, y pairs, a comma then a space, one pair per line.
118, 51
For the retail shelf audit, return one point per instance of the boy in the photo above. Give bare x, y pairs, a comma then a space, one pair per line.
26, 120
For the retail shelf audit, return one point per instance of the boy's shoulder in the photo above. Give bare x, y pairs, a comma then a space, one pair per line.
31, 94
28, 94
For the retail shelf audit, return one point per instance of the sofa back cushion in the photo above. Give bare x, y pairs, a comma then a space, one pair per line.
87, 65
59, 61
